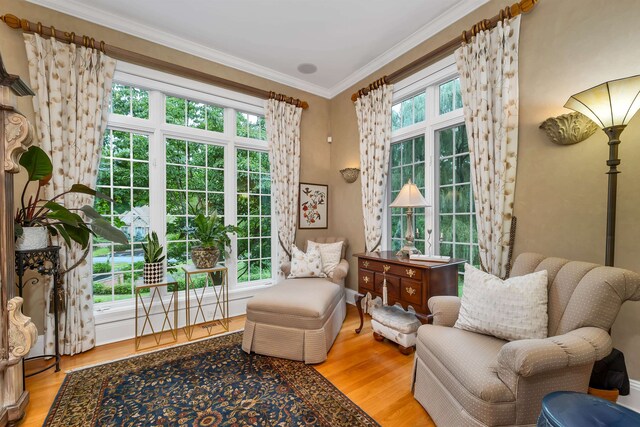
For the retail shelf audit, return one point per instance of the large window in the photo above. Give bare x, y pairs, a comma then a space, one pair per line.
429, 147
169, 154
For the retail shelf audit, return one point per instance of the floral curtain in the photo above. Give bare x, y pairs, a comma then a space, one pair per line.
374, 123
72, 85
488, 67
283, 133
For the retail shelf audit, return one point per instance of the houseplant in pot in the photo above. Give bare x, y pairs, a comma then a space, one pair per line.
40, 217
213, 236
153, 270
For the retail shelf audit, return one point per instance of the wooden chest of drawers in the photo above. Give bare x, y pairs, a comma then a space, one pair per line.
410, 283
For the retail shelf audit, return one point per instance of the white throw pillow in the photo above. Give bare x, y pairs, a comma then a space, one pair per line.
306, 265
512, 309
330, 254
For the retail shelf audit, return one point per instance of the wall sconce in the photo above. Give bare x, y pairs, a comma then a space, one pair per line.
569, 128
350, 174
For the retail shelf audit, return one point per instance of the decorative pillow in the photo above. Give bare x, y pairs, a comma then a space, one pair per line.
330, 254
306, 265
513, 309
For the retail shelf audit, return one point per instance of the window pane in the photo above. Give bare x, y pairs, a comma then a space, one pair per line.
194, 114
116, 266
129, 101
457, 226
450, 96
408, 112
200, 189
251, 126
254, 215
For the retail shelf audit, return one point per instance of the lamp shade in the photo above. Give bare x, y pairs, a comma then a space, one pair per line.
409, 197
612, 103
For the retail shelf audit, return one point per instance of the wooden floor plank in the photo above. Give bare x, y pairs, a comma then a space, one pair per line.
375, 375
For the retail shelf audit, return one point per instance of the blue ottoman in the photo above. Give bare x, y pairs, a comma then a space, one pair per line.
571, 409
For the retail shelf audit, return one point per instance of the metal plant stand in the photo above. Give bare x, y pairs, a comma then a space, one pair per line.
46, 262
219, 299
168, 312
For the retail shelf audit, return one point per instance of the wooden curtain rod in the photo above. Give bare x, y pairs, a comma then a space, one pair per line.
145, 61
508, 12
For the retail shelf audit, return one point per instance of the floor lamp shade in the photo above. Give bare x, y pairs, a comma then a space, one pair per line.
611, 106
409, 197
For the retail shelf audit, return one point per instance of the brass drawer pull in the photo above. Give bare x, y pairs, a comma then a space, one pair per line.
365, 279
386, 268
410, 290
410, 272
365, 264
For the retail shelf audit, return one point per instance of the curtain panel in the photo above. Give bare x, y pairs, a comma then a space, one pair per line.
488, 67
283, 134
374, 124
72, 85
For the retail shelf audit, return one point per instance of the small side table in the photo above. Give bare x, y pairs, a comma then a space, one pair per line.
46, 262
220, 299
155, 294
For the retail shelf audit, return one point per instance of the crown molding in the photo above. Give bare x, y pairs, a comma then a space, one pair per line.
92, 14
430, 29
123, 24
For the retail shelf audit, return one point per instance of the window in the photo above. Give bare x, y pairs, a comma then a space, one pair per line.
429, 146
254, 215
171, 152
123, 176
251, 126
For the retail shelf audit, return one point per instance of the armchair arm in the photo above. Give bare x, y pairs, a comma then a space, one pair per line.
286, 268
340, 272
530, 357
444, 309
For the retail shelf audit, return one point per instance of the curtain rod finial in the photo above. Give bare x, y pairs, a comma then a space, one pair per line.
11, 20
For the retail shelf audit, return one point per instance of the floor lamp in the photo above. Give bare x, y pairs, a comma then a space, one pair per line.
610, 105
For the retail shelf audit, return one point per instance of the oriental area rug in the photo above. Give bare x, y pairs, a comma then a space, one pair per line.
205, 383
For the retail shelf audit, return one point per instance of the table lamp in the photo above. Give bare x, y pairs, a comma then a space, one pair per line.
610, 105
409, 198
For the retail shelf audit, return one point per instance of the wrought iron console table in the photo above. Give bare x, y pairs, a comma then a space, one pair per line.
46, 262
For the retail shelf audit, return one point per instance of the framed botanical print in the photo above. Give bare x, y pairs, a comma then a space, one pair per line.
313, 200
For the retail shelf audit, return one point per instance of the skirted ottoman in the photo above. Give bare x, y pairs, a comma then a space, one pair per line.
296, 319
395, 324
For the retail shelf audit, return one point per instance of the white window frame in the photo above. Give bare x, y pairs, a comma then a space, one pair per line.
159, 85
427, 80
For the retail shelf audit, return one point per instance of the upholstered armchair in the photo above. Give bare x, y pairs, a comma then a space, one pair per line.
467, 379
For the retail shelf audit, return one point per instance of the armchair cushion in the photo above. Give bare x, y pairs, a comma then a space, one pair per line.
329, 252
340, 272
536, 356
444, 309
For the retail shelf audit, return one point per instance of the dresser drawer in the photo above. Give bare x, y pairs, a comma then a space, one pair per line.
365, 280
389, 268
411, 291
393, 285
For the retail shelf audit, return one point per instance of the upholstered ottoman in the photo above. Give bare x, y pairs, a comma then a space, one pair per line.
296, 319
395, 324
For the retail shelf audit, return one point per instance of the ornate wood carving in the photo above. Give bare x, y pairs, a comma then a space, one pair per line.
569, 128
22, 332
18, 135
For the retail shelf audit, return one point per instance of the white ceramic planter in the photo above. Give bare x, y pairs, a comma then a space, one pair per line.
153, 273
33, 238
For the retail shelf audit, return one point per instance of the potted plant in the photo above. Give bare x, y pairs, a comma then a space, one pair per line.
213, 236
38, 217
153, 270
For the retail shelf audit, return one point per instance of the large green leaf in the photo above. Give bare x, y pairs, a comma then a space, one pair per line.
78, 234
63, 233
62, 214
90, 212
81, 188
104, 229
37, 163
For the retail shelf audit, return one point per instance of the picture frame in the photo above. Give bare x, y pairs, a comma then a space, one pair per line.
313, 206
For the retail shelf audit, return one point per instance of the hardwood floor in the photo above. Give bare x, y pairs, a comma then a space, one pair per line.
372, 374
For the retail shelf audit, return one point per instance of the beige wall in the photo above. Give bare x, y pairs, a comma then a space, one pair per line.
566, 46
315, 152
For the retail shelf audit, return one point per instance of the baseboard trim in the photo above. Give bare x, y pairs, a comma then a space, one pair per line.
632, 401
